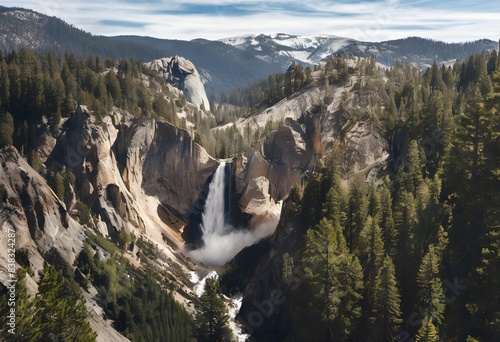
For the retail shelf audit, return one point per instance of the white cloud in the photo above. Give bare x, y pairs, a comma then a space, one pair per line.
373, 21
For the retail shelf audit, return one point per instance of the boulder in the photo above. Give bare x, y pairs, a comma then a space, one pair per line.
255, 199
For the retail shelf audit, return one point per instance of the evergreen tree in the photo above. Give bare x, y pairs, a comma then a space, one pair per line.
211, 322
370, 253
431, 293
387, 221
113, 87
349, 286
333, 208
386, 315
27, 313
63, 313
374, 206
485, 303
427, 332
59, 186
4, 83
6, 128
404, 222
335, 279
311, 202
357, 210
411, 176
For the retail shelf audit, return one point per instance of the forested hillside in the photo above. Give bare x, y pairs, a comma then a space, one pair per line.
410, 251
223, 67
412, 254
37, 94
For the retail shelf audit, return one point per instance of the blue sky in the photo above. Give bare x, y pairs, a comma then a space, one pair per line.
368, 20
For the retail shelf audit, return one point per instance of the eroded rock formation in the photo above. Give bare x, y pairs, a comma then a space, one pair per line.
39, 219
183, 74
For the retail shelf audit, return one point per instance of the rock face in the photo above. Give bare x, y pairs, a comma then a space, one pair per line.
272, 166
43, 228
164, 161
115, 165
366, 150
183, 74
264, 280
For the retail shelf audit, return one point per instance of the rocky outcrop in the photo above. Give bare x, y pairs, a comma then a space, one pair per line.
85, 148
123, 158
39, 219
176, 170
281, 159
183, 74
366, 150
163, 161
137, 175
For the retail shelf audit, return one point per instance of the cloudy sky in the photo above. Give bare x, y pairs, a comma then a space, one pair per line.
369, 20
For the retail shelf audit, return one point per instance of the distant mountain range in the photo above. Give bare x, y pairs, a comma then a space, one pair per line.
284, 48
226, 64
223, 67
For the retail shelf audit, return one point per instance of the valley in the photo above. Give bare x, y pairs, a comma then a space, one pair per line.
257, 188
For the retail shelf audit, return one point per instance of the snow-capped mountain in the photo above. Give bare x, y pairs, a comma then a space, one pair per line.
282, 49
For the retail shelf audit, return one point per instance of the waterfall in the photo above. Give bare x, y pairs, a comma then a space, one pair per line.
221, 242
213, 213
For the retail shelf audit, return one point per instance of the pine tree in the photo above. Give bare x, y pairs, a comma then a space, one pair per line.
485, 304
63, 313
6, 128
371, 247
374, 205
411, 176
427, 332
474, 128
335, 203
311, 205
436, 78
113, 87
58, 184
323, 246
27, 314
386, 315
349, 288
4, 83
335, 278
333, 206
211, 322
357, 210
371, 254
431, 293
492, 62
404, 222
492, 145
387, 220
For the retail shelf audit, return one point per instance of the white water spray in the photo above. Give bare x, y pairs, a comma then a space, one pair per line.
221, 242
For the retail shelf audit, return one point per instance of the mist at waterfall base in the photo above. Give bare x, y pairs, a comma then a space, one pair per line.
221, 242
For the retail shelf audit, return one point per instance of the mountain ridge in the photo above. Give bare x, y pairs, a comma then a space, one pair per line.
225, 65
311, 49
